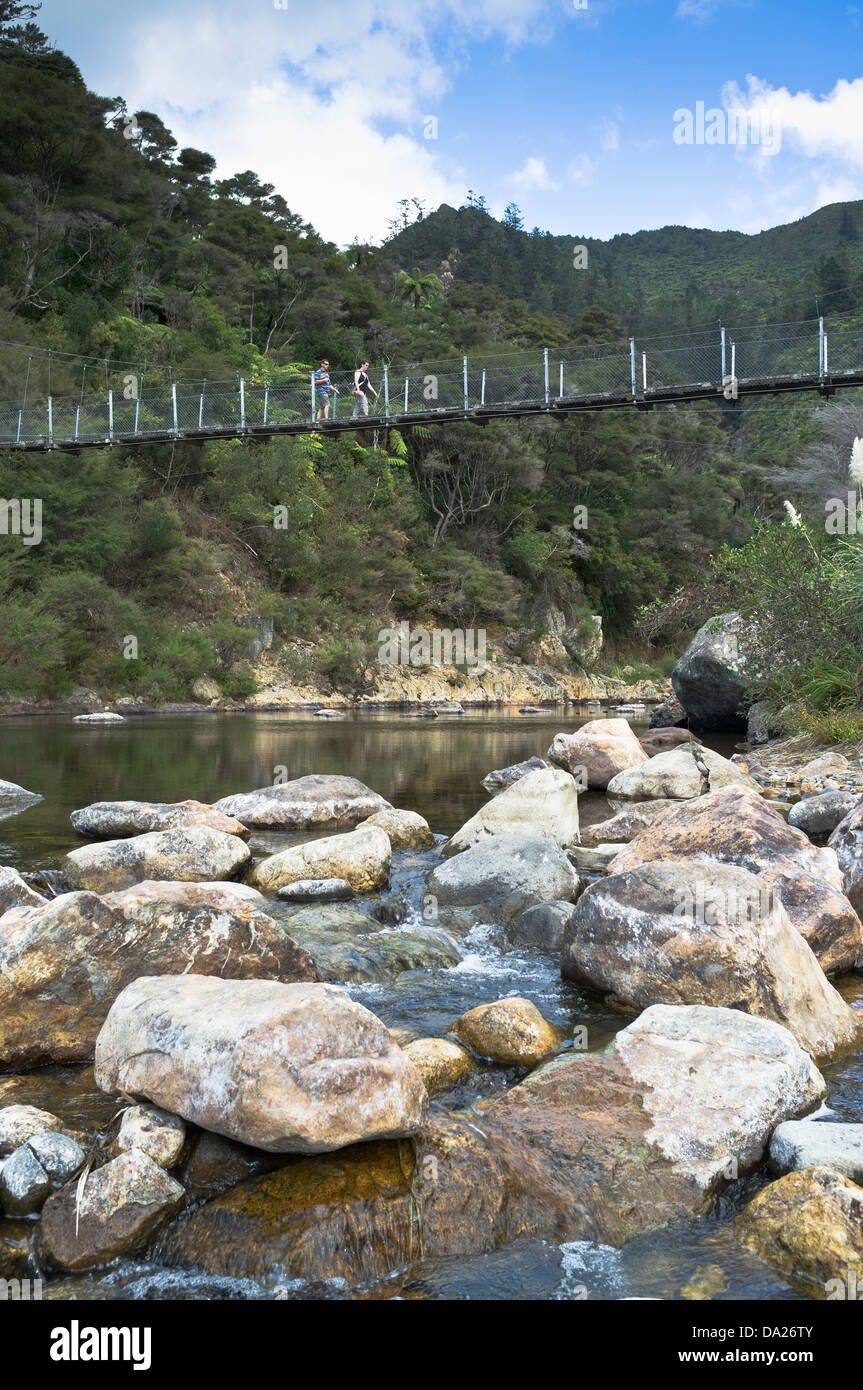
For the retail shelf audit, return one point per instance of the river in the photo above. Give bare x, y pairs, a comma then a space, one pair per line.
434, 767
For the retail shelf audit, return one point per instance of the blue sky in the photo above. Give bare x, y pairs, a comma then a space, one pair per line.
566, 109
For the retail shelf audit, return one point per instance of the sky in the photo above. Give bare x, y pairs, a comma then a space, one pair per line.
595, 117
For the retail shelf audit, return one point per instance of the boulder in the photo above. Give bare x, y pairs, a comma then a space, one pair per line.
213, 1165
24, 1184
503, 875
503, 777
820, 815
205, 689
825, 765
588, 1148
847, 844
45, 1162
62, 965
286, 1068
406, 829
736, 826
59, 1155
123, 1204
10, 793
110, 820
713, 678
798, 1144
18, 1123
544, 804
696, 932
440, 1063
809, 1227
360, 857
195, 854
592, 859
15, 892
309, 803
663, 740
628, 823
316, 890
597, 752
762, 723
668, 714
541, 927
676, 775
512, 1031
349, 946
158, 1134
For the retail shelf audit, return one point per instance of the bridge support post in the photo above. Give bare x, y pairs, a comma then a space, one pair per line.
482, 389
242, 404
312, 380
110, 414
722, 332
560, 392
545, 364
632, 365
18, 435
387, 391
821, 367
407, 387
644, 371
50, 421
266, 402
78, 421
174, 404
201, 405
464, 370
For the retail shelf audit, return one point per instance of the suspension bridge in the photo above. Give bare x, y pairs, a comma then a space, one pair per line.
810, 355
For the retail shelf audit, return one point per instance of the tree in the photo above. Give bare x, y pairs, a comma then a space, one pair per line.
419, 288
154, 139
512, 217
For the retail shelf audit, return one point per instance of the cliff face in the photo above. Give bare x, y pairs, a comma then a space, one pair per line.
503, 682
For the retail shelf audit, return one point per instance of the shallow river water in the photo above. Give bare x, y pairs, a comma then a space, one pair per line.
434, 767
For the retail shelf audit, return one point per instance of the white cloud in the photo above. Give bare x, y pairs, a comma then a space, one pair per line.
611, 135
582, 169
534, 176
825, 127
309, 96
697, 9
838, 190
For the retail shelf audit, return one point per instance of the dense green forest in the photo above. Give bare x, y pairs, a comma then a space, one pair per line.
121, 253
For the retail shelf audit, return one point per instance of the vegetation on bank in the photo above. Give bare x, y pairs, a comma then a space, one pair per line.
121, 253
798, 584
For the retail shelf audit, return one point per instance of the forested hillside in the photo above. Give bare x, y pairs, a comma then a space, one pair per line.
120, 252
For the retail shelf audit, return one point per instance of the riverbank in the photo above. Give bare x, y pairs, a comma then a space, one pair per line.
503, 684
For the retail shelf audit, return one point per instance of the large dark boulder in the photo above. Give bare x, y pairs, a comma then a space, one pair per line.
714, 677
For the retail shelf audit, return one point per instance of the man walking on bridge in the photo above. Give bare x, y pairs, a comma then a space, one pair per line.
323, 389
362, 385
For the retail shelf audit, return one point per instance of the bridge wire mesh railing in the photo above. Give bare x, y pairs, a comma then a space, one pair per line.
505, 382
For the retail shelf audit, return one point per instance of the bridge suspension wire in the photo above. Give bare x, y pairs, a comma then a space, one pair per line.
646, 373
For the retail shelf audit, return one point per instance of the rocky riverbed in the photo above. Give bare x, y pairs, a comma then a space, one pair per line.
296, 1032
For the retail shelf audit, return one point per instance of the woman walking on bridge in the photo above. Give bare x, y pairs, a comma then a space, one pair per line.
362, 385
